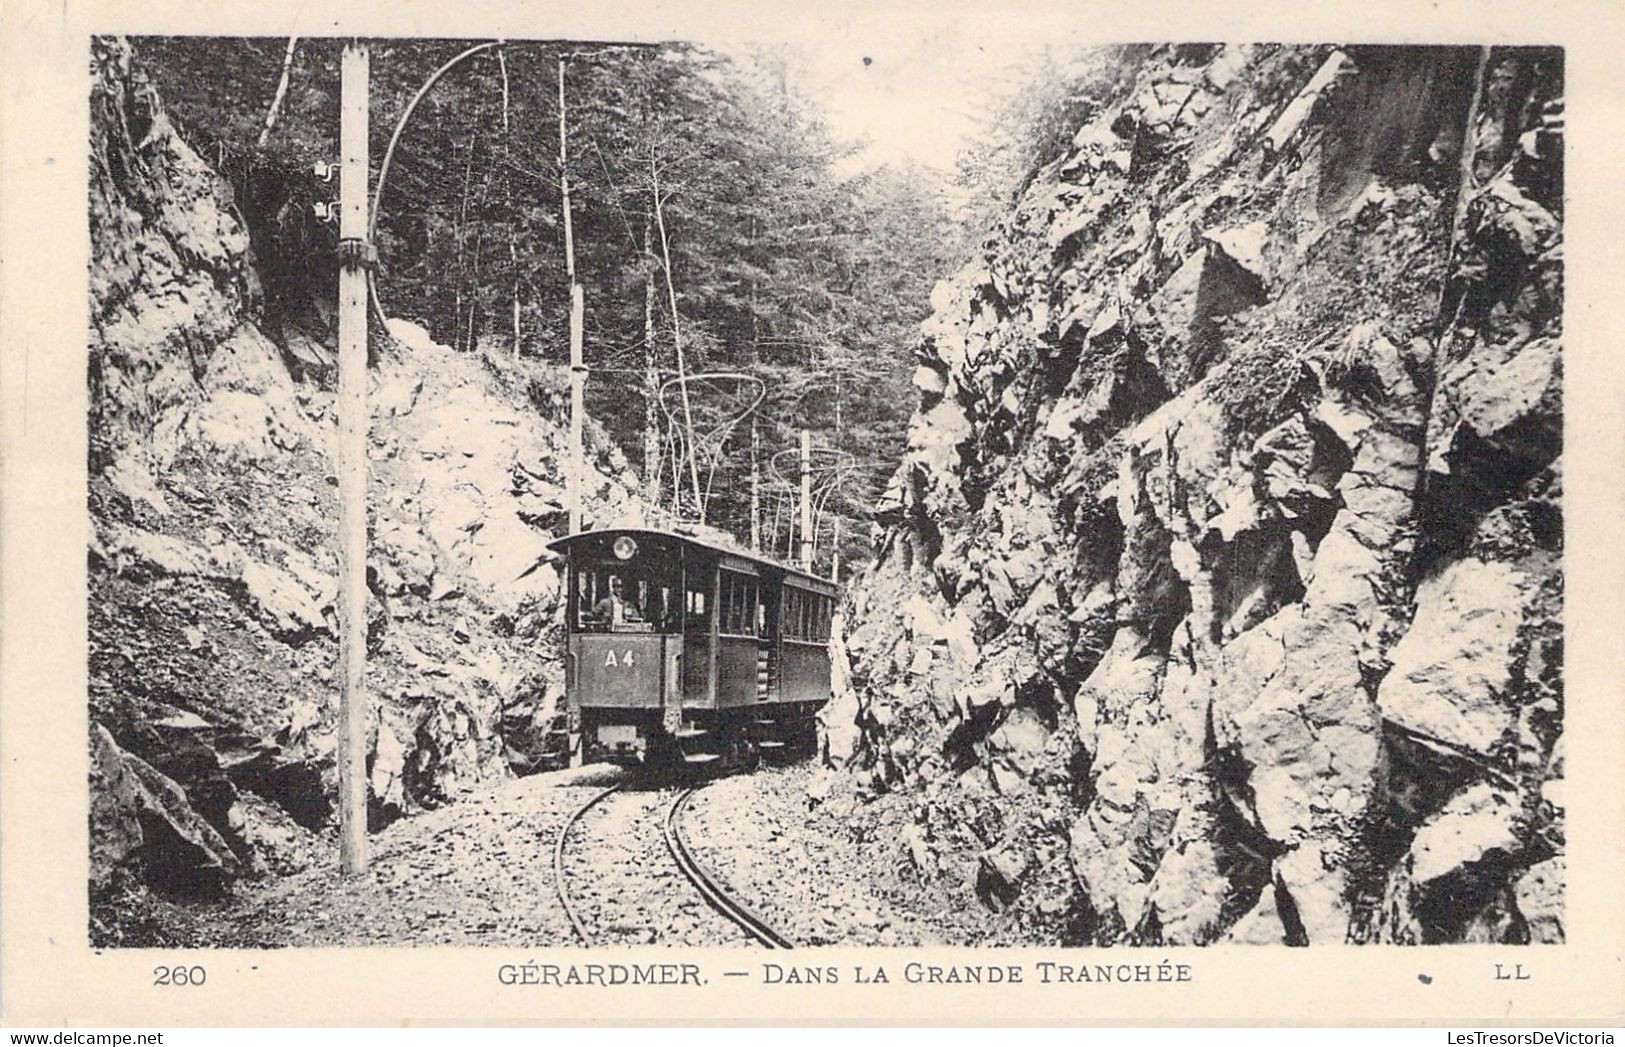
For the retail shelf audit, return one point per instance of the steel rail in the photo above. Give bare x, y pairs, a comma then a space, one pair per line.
559, 881
706, 884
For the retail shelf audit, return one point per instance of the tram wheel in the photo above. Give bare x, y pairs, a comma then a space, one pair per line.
750, 756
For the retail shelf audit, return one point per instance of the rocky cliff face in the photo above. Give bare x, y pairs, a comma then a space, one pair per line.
212, 571
1220, 591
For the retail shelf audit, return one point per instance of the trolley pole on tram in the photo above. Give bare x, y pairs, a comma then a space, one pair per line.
806, 500
351, 461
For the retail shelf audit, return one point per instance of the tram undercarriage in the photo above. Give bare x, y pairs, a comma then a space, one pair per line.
728, 739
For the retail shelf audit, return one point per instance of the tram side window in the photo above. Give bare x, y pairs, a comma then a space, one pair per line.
792, 614
697, 609
738, 607
806, 616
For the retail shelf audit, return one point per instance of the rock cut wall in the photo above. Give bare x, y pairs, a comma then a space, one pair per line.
212, 567
1220, 588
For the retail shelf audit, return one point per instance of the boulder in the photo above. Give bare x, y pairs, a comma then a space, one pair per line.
999, 873
278, 844
395, 394
305, 353
1475, 823
924, 622
1189, 892
1261, 925
1540, 892
1452, 677
387, 779
412, 335
936, 437
249, 413
181, 747
1313, 881
115, 812
1496, 417
404, 548
1020, 740
147, 552
142, 816
929, 380
131, 475
1243, 246
286, 609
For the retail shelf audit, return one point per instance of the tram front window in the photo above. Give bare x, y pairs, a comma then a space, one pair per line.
622, 601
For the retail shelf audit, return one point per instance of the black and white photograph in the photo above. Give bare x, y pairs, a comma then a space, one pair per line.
686, 514
577, 492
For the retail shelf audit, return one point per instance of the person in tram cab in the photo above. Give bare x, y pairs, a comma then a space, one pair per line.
614, 609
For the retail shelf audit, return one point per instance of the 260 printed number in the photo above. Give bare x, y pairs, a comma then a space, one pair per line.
179, 975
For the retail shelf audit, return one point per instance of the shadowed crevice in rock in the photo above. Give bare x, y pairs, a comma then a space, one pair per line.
1402, 115
1226, 287
1291, 924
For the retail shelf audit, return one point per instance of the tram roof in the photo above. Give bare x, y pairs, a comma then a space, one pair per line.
565, 544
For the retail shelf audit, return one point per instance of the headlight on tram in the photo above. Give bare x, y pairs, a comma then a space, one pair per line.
625, 548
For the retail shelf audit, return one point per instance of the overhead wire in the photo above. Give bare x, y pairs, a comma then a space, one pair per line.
418, 188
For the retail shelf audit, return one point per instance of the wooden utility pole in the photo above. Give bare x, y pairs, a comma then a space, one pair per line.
835, 553
513, 233
578, 368
806, 499
352, 462
755, 435
651, 377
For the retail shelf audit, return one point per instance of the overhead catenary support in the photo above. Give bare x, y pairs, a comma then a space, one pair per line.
676, 334
389, 156
755, 487
835, 554
806, 499
352, 462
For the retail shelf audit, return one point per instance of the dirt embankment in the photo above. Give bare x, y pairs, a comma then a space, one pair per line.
1221, 592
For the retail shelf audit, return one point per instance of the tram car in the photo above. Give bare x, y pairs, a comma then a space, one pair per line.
684, 651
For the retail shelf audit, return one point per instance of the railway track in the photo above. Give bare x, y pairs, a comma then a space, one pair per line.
701, 879
566, 900
706, 884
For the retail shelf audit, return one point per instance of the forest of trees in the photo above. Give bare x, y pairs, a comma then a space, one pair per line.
717, 227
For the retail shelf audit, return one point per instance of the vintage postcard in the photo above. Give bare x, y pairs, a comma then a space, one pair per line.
897, 513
